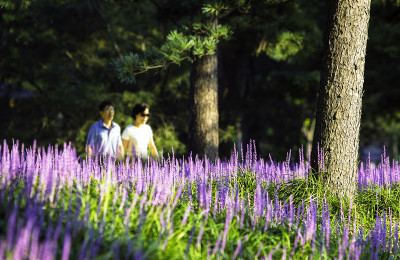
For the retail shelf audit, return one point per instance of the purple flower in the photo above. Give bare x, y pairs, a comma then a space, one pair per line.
3, 245
237, 251
189, 243
11, 227
259, 249
67, 245
216, 246
296, 241
185, 215
199, 236
271, 253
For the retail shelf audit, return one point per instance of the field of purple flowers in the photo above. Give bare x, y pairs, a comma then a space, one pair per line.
55, 205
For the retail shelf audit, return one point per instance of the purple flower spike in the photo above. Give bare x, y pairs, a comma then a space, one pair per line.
189, 242
11, 227
259, 250
199, 236
188, 208
216, 246
273, 251
238, 249
3, 246
67, 245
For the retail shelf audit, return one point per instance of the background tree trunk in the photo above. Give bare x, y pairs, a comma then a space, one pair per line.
203, 114
339, 103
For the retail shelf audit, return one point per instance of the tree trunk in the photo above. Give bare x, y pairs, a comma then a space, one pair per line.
339, 103
203, 114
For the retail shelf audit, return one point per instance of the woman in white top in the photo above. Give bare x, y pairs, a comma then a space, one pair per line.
137, 137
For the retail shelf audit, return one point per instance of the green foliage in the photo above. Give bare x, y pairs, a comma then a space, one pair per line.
369, 201
166, 139
247, 183
300, 189
376, 199
179, 46
126, 65
214, 8
288, 44
396, 2
14, 4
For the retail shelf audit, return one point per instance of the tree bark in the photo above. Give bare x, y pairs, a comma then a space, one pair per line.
203, 114
339, 102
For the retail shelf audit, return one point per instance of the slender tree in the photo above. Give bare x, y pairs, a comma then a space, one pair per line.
339, 103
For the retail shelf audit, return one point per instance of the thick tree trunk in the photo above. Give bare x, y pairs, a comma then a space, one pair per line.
339, 103
203, 121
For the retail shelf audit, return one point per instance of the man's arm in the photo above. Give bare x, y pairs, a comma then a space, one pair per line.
90, 142
120, 152
89, 151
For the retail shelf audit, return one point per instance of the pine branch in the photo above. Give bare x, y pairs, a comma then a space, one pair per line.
199, 40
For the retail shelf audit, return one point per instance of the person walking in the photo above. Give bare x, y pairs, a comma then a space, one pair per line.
104, 138
138, 137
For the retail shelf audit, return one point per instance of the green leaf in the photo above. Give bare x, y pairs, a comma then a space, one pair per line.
287, 45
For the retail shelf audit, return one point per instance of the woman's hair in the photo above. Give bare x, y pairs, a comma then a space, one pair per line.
139, 108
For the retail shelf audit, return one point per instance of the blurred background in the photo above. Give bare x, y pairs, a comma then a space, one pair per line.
55, 68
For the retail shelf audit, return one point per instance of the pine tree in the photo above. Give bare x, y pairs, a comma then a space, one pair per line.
338, 113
